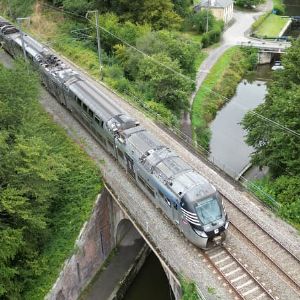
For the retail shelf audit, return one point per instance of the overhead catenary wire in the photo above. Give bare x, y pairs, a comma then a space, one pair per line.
272, 122
179, 74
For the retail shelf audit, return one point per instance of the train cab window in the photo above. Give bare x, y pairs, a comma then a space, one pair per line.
175, 205
97, 120
84, 106
91, 113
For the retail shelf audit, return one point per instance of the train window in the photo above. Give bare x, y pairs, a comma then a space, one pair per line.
175, 205
102, 124
161, 194
91, 113
168, 201
142, 181
150, 190
84, 106
97, 120
78, 101
120, 154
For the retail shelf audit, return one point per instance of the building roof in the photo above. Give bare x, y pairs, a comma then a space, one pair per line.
215, 3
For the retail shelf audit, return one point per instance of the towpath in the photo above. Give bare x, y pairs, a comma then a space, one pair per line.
233, 35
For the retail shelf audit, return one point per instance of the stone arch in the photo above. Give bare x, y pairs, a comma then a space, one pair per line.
122, 229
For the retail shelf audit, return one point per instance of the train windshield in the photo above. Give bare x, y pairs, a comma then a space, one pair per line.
208, 210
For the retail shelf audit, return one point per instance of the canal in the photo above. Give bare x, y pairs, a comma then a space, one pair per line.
150, 283
228, 148
292, 7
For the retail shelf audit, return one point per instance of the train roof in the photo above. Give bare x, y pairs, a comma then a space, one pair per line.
104, 107
166, 165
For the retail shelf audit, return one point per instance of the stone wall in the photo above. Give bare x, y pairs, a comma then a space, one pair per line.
94, 244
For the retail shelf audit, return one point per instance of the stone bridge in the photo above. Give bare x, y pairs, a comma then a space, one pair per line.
267, 49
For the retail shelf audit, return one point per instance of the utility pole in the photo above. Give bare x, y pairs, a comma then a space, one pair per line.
208, 5
20, 20
96, 12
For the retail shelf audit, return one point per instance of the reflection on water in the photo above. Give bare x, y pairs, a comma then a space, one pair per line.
151, 282
228, 149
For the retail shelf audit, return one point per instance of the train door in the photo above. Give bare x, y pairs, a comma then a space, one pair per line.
175, 212
130, 166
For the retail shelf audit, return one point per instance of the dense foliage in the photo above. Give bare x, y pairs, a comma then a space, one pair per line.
17, 8
47, 189
278, 7
276, 140
159, 13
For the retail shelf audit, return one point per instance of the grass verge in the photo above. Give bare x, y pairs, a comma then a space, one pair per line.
271, 26
219, 85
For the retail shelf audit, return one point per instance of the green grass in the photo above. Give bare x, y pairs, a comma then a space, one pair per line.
200, 58
212, 78
219, 85
271, 26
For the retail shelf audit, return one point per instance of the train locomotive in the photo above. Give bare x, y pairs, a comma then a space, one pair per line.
187, 198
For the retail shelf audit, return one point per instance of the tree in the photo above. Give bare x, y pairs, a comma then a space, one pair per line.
199, 21
182, 7
175, 46
275, 146
161, 84
159, 13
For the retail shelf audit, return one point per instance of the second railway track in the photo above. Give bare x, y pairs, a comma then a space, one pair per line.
238, 275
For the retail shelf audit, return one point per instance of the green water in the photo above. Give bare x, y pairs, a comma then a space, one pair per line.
151, 283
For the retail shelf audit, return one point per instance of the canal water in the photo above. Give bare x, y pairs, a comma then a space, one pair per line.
228, 148
292, 7
151, 282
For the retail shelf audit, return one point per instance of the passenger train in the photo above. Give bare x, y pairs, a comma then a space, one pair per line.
188, 199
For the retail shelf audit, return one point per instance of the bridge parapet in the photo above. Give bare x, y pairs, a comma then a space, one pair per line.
267, 46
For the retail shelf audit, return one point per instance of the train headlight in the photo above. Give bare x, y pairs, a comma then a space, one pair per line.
201, 233
226, 225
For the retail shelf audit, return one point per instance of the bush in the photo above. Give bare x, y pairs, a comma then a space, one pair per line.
278, 7
214, 35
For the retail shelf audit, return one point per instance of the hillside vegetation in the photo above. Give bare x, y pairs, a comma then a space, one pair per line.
276, 141
47, 190
161, 79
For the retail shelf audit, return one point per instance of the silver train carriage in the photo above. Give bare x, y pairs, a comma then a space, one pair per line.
188, 199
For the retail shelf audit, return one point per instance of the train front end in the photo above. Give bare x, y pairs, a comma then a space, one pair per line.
204, 218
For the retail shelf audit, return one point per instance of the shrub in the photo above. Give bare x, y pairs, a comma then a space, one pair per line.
278, 7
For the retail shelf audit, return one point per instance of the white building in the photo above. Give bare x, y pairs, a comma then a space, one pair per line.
221, 9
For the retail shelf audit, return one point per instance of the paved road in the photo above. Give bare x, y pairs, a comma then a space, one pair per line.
233, 35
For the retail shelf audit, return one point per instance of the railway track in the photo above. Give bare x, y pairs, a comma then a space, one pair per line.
283, 260
271, 251
237, 274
